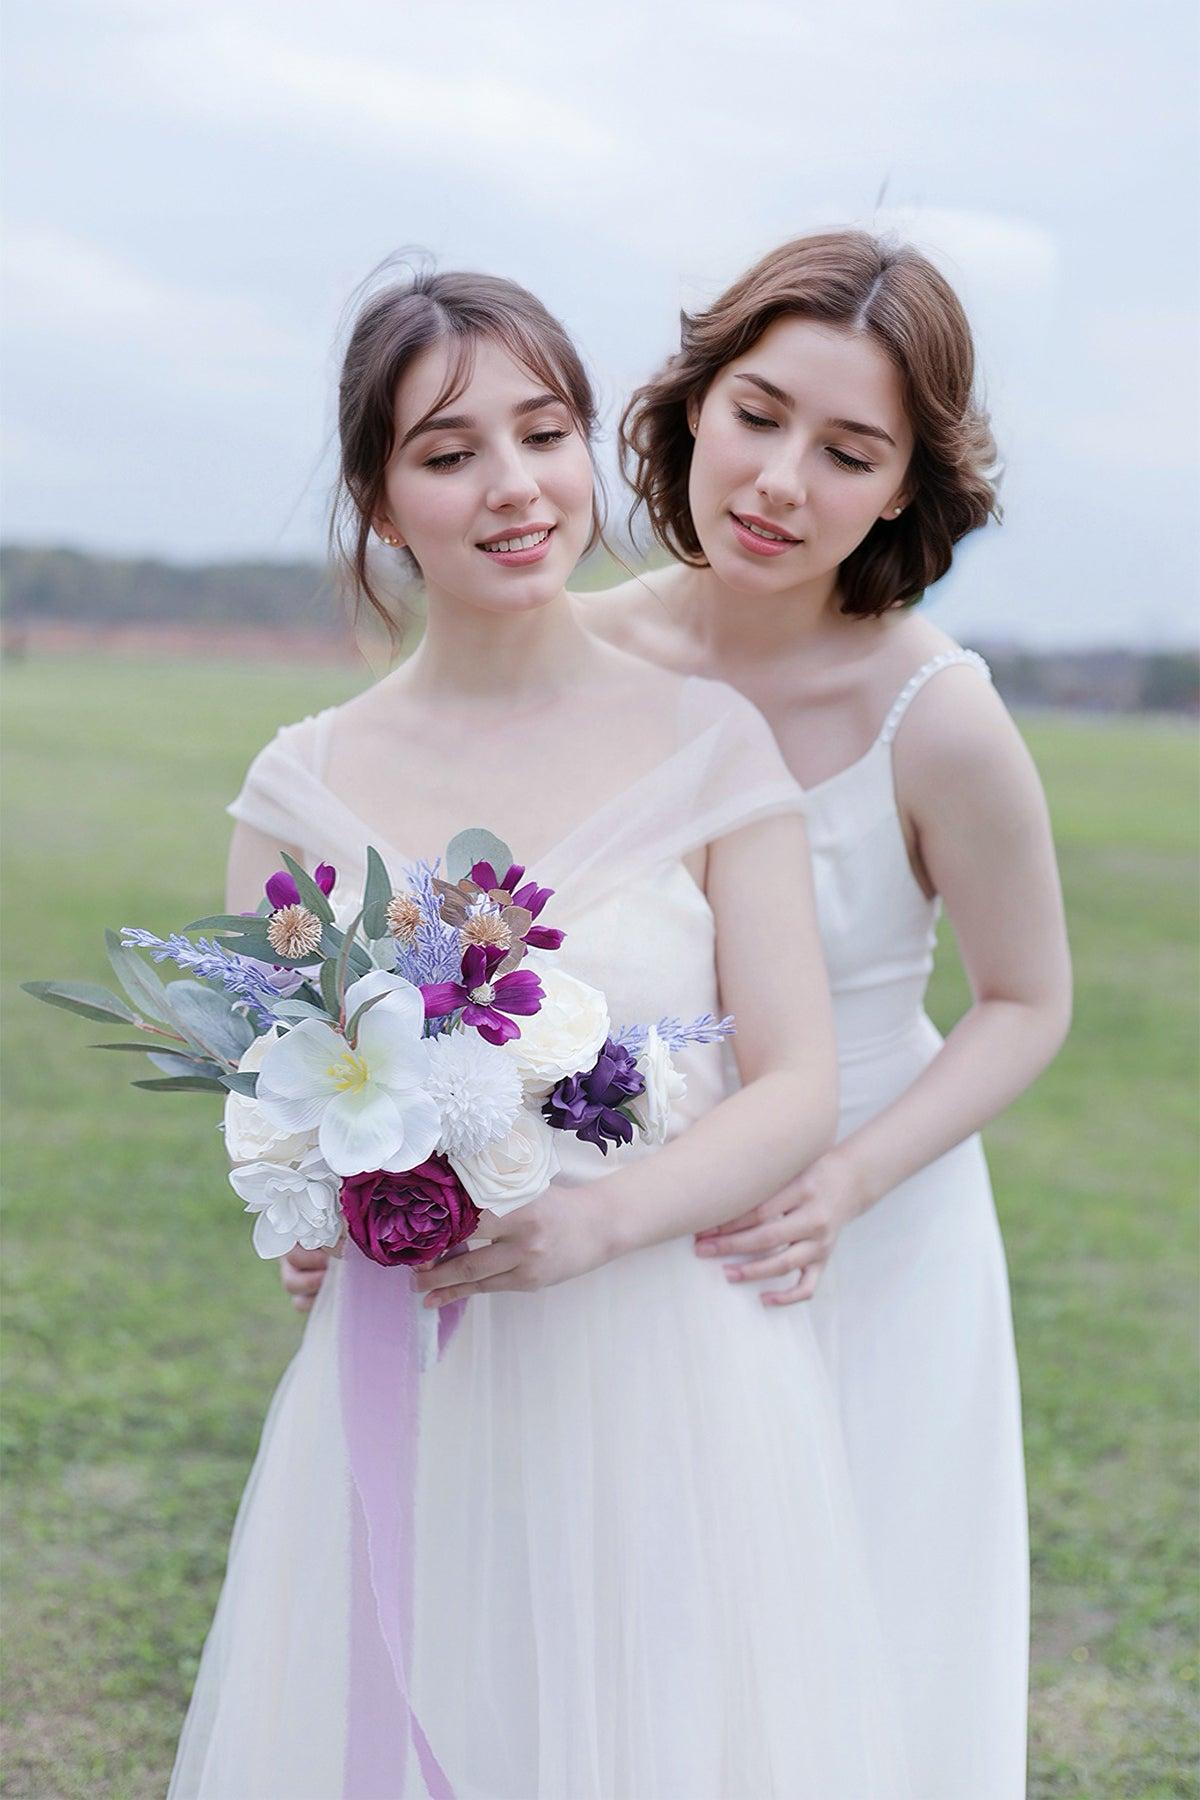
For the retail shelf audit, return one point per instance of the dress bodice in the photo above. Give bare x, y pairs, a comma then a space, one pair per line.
637, 924
877, 926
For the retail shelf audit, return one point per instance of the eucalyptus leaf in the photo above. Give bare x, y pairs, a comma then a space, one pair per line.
140, 982
476, 845
223, 922
298, 1009
329, 993
178, 1084
210, 1021
343, 961
143, 1049
310, 894
332, 940
172, 1064
240, 1082
376, 896
87, 998
352, 1026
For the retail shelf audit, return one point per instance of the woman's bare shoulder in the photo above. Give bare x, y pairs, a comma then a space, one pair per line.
637, 614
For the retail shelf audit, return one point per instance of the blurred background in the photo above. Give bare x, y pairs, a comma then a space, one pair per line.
192, 195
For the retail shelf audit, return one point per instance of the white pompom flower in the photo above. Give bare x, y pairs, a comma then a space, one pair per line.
294, 1206
477, 1088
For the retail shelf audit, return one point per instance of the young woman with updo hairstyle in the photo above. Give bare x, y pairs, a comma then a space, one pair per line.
810, 458
620, 1558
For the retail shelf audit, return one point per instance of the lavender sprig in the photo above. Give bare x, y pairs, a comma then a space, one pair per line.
435, 952
707, 1029
210, 961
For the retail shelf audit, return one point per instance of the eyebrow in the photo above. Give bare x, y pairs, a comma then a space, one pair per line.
463, 421
855, 425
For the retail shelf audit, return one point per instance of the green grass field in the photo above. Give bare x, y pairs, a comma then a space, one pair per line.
143, 1338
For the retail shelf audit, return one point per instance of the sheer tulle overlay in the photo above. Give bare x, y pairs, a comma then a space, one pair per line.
637, 1557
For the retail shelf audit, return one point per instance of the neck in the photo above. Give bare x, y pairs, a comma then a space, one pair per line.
735, 626
508, 658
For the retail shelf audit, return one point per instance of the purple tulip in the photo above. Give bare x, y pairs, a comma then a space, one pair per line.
282, 889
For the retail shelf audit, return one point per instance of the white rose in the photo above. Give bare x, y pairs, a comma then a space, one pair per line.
565, 1036
521, 1166
249, 1136
294, 1206
651, 1109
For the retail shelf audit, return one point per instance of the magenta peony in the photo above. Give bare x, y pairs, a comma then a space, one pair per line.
411, 1218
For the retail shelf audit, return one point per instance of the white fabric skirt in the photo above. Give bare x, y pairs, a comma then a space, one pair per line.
638, 1573
915, 1320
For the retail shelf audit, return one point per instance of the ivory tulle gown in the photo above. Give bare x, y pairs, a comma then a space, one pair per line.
637, 1572
915, 1318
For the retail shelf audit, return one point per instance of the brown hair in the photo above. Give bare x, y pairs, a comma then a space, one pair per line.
891, 293
392, 327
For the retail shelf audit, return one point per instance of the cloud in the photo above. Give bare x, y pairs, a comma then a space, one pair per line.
66, 294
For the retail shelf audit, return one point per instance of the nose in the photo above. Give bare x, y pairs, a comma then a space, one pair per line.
781, 481
513, 484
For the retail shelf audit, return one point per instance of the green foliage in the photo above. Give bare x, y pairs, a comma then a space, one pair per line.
474, 846
144, 1338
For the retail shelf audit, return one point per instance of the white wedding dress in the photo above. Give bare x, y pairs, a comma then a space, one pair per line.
637, 1560
915, 1318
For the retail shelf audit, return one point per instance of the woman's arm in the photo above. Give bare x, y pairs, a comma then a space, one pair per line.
969, 786
772, 978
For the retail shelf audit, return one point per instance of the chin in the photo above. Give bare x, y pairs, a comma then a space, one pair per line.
754, 576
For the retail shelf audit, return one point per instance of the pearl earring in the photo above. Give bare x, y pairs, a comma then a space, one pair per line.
896, 511
393, 541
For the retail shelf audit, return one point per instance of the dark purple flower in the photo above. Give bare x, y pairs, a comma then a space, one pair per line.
282, 889
485, 1001
411, 1218
532, 897
589, 1105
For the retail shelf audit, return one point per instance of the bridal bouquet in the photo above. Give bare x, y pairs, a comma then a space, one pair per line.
395, 1063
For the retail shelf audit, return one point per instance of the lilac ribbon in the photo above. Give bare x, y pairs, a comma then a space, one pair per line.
379, 1382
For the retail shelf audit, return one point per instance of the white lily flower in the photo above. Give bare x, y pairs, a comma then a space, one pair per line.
369, 1103
294, 1205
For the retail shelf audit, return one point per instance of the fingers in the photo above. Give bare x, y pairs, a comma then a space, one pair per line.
445, 1278
804, 1289
307, 1259
769, 1236
302, 1279
781, 1262
758, 1215
506, 1278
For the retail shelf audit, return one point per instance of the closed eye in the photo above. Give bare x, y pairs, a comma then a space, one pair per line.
849, 462
755, 419
454, 459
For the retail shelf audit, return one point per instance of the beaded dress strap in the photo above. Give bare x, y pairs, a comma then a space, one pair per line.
915, 683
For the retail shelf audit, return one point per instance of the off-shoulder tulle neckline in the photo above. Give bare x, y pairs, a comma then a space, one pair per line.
618, 802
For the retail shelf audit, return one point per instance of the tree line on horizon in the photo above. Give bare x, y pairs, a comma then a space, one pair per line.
58, 585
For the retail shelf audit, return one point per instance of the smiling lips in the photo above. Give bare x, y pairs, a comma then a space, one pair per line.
759, 536
516, 548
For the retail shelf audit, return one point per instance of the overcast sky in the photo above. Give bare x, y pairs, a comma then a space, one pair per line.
193, 191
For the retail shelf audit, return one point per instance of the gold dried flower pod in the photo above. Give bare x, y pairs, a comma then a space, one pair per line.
293, 932
403, 917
